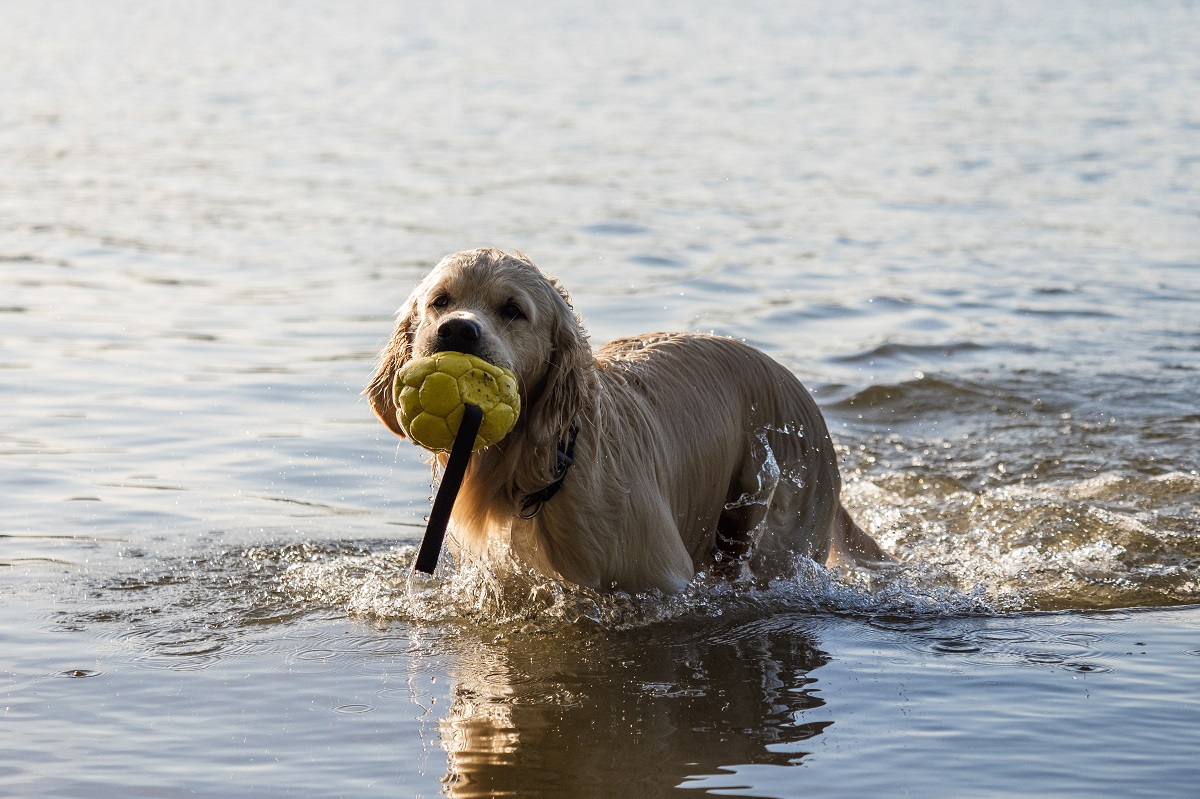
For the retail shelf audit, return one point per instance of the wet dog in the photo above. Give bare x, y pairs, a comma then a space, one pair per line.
635, 466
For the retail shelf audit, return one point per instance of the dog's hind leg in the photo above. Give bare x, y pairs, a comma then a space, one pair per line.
738, 528
743, 517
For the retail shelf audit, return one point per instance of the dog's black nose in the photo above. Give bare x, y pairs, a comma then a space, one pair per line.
459, 335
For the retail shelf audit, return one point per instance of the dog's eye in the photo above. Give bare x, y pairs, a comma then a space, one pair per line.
440, 301
511, 311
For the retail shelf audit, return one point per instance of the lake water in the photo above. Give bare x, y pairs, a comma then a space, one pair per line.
973, 230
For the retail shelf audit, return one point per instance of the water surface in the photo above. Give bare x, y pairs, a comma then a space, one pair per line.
974, 232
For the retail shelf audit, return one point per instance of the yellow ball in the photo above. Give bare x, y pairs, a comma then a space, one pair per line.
430, 394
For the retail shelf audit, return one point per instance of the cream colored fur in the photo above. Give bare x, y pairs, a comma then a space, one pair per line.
694, 452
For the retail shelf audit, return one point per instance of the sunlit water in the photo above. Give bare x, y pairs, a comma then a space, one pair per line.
973, 231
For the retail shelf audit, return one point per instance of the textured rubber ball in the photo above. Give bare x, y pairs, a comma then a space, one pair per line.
430, 394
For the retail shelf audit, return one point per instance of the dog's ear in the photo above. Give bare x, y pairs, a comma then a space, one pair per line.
394, 355
569, 373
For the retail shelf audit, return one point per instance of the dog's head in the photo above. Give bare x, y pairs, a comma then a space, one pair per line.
501, 308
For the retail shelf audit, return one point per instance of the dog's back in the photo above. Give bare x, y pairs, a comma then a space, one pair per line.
733, 441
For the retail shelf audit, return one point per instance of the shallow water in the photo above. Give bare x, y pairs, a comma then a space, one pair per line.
973, 232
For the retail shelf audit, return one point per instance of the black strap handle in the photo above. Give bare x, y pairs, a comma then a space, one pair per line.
443, 503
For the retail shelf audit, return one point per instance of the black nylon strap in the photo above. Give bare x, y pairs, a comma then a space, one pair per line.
443, 503
565, 457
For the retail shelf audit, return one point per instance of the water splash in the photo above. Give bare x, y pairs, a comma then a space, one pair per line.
515, 599
1103, 543
1106, 542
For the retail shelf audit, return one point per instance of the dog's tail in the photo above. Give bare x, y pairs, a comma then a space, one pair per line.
850, 546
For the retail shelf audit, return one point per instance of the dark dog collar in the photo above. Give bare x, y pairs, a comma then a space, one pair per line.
532, 504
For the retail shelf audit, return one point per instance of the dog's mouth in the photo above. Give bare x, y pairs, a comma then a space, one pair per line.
478, 349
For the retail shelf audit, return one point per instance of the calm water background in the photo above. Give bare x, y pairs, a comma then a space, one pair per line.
972, 229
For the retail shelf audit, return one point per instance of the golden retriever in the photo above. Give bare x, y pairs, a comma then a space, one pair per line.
635, 466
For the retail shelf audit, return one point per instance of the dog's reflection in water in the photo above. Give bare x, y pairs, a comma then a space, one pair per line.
630, 714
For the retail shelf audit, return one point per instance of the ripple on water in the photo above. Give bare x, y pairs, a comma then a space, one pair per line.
954, 646
928, 396
914, 353
171, 649
1036, 640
